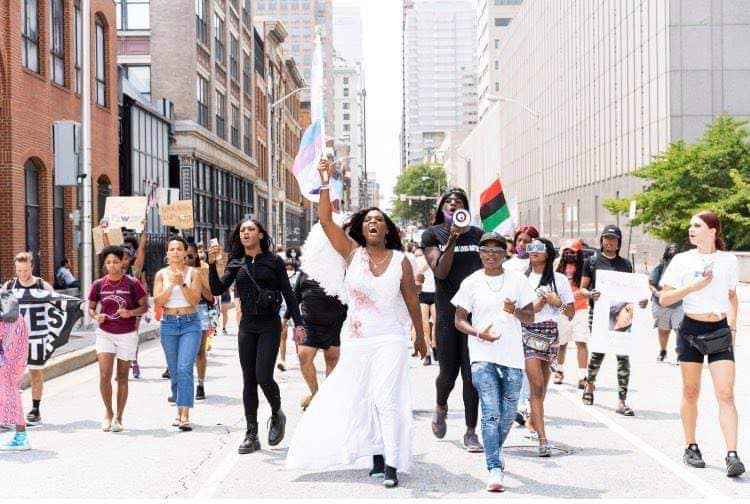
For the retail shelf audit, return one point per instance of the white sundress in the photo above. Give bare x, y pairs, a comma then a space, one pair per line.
364, 407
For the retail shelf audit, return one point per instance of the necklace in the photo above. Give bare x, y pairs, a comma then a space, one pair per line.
374, 262
496, 290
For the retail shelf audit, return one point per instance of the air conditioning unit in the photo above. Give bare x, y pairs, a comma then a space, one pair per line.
66, 141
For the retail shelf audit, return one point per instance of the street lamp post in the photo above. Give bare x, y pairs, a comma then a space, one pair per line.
538, 120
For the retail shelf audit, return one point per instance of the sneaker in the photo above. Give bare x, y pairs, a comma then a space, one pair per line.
662, 356
165, 374
276, 428
427, 361
136, 370
735, 467
582, 384
495, 480
544, 449
693, 457
200, 393
19, 442
520, 420
472, 444
171, 399
439, 426
391, 477
378, 467
33, 417
116, 426
251, 443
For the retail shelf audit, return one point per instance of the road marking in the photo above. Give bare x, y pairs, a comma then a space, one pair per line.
682, 472
209, 488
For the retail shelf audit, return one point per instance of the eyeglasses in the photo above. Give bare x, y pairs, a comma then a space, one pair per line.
536, 248
492, 250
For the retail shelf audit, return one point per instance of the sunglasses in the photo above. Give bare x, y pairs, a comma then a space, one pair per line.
492, 250
536, 248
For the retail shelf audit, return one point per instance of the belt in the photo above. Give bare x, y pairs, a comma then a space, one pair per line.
180, 312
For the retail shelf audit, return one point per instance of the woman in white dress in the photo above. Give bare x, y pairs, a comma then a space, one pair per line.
363, 410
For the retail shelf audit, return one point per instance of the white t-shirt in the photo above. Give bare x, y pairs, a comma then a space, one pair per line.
423, 268
483, 297
515, 263
563, 290
687, 267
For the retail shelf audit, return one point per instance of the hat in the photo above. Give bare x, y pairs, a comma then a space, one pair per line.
612, 230
492, 236
571, 244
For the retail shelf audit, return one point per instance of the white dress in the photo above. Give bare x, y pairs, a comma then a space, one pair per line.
364, 407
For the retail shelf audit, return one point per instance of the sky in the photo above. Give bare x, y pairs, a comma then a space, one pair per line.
381, 26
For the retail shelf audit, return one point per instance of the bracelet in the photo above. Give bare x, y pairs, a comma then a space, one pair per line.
324, 187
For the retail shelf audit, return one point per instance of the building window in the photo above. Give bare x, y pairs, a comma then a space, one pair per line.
32, 211
132, 14
58, 217
346, 81
347, 127
202, 97
346, 106
497, 43
234, 57
57, 43
497, 86
219, 49
79, 46
140, 77
101, 65
30, 35
346, 91
502, 21
247, 131
201, 25
347, 117
497, 65
246, 10
221, 115
259, 54
103, 191
235, 127
247, 84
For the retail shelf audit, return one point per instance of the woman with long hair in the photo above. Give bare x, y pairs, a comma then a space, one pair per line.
666, 318
705, 280
541, 338
261, 282
363, 409
205, 305
577, 328
14, 342
177, 288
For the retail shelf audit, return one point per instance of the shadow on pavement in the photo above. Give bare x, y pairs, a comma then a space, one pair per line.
221, 400
67, 428
535, 488
646, 414
28, 457
571, 422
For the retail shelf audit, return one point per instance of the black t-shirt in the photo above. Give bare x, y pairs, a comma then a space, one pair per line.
465, 259
599, 262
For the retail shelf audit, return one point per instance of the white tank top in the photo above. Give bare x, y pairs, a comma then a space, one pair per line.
177, 299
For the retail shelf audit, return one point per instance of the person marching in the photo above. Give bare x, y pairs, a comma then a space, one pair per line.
426, 283
453, 254
541, 337
364, 409
666, 318
14, 343
120, 300
205, 305
132, 264
177, 288
495, 344
23, 281
292, 272
608, 259
705, 280
261, 281
577, 328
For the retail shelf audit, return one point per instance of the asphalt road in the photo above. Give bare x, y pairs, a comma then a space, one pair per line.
599, 454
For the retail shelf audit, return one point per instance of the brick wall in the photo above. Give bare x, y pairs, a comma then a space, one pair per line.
29, 104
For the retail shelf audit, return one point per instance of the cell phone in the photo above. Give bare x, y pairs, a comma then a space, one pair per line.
213, 242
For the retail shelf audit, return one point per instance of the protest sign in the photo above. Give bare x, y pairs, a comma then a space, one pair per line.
178, 214
618, 320
104, 237
126, 211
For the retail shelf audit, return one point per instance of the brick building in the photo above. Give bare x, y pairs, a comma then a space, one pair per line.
40, 83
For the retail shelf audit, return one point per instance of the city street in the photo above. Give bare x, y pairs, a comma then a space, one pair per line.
600, 453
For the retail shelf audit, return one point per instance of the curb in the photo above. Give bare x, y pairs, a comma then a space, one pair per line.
78, 359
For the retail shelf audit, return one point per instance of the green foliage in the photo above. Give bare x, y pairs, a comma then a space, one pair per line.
418, 180
711, 174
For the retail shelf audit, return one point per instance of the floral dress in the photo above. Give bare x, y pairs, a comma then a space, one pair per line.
15, 338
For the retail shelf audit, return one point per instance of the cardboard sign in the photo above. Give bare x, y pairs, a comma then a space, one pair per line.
126, 211
104, 237
178, 214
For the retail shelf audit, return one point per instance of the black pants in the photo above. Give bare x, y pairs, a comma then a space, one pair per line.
453, 356
258, 343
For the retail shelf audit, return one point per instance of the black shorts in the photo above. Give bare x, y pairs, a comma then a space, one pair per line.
427, 298
688, 353
323, 336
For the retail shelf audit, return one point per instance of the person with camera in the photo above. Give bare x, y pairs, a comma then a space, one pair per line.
452, 251
261, 281
705, 280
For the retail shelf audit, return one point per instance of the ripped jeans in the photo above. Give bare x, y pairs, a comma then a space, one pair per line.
498, 388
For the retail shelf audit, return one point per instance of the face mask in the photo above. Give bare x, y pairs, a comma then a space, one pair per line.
521, 251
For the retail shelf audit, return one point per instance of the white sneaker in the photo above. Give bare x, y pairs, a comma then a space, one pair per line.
116, 426
495, 480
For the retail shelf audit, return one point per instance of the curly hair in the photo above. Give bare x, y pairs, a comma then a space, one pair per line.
392, 236
236, 249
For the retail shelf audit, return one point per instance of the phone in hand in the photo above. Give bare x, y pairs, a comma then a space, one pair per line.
213, 242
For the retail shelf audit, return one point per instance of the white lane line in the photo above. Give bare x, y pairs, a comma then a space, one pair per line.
685, 474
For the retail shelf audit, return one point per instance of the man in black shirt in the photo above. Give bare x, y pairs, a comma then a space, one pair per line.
608, 259
453, 254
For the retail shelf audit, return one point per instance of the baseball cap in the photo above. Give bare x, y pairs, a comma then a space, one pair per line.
612, 230
492, 236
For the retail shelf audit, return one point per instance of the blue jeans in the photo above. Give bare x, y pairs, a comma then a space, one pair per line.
498, 388
181, 339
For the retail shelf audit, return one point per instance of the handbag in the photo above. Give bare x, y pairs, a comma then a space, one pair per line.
268, 300
716, 341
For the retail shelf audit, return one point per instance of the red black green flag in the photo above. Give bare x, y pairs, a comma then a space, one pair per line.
493, 209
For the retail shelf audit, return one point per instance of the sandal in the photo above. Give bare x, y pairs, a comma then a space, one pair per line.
176, 422
625, 411
558, 378
544, 448
588, 397
185, 426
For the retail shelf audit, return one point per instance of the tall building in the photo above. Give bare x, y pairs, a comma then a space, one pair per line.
349, 124
347, 32
40, 84
439, 65
614, 83
493, 22
300, 17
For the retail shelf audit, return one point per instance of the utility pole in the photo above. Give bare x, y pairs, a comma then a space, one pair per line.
86, 269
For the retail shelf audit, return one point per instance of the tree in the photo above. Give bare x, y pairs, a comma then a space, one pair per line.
424, 179
711, 174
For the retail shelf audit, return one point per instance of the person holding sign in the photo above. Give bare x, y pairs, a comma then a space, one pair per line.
705, 280
498, 300
25, 281
120, 300
177, 288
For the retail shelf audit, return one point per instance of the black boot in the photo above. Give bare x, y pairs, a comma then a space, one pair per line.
391, 478
277, 424
251, 443
378, 466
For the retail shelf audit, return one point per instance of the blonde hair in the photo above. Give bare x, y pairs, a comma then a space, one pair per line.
24, 257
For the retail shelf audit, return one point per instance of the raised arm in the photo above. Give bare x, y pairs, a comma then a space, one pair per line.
220, 285
140, 256
338, 238
409, 293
